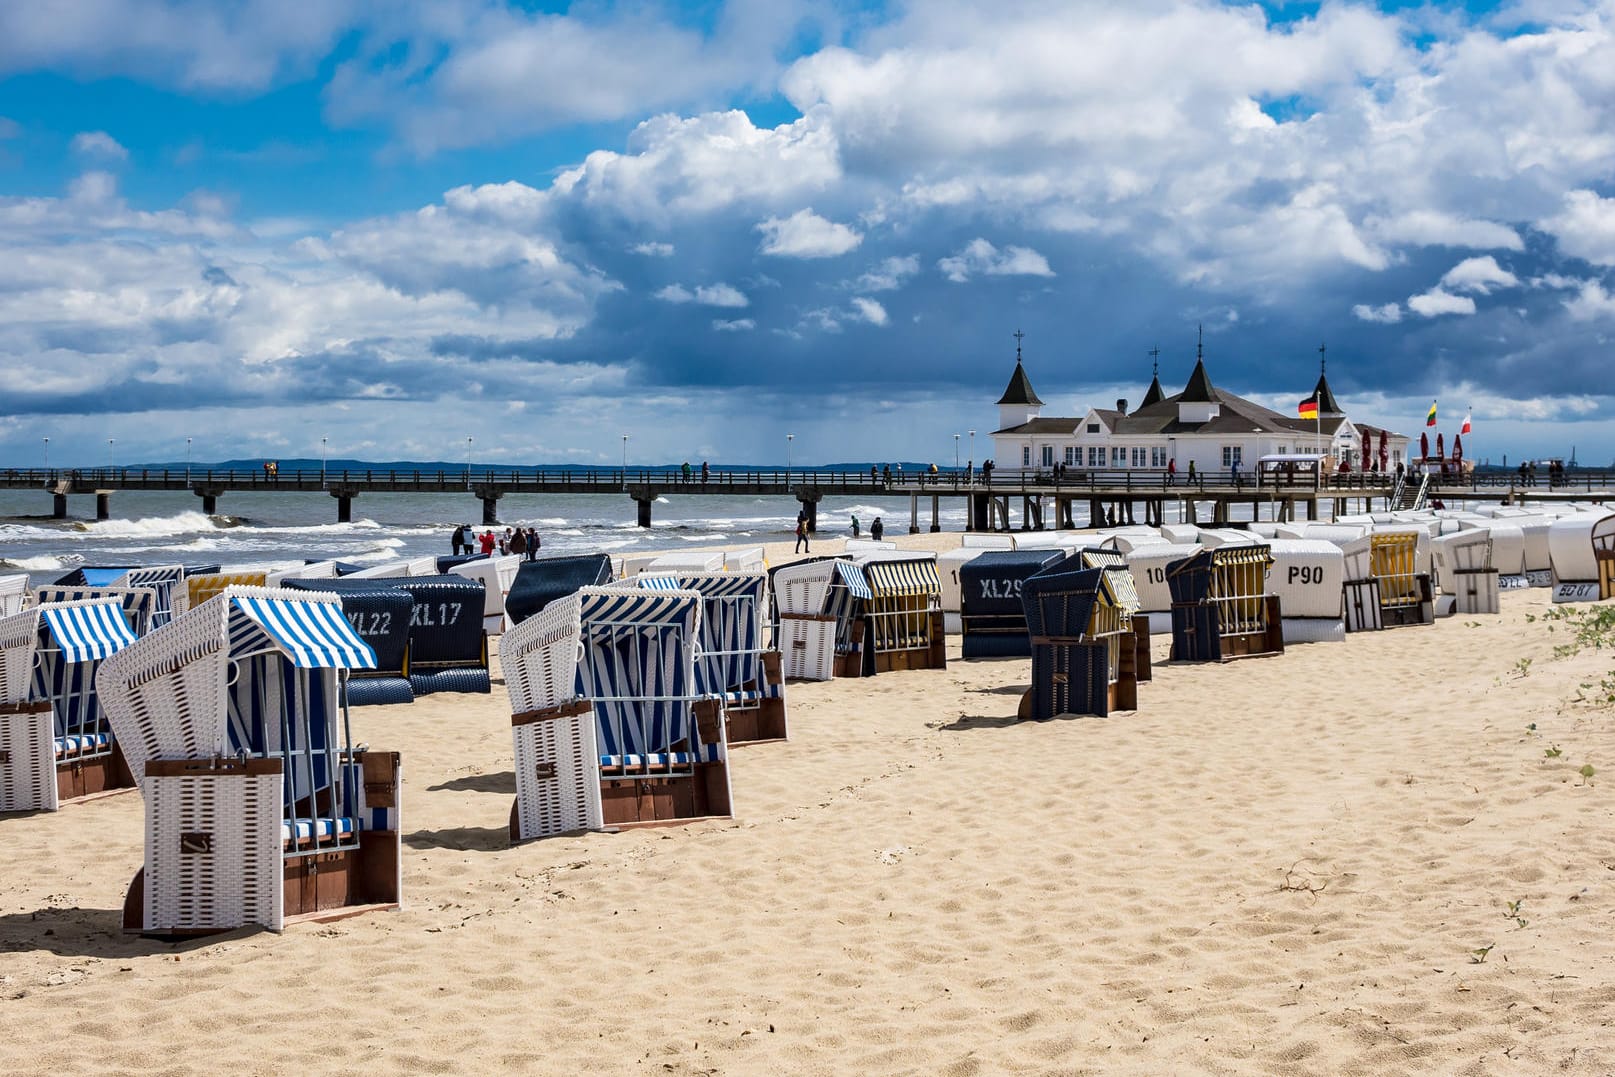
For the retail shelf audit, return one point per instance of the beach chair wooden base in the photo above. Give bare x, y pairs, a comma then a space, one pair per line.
216, 860
1419, 610
932, 654
1142, 667
760, 721
1073, 678
857, 660
93, 778
687, 794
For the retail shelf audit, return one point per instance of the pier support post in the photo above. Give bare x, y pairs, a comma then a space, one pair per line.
643, 504
935, 510
981, 512
489, 496
210, 498
344, 503
59, 507
103, 504
914, 514
809, 500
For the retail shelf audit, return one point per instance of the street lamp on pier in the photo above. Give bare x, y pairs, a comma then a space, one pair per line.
47, 453
625, 459
187, 463
323, 440
972, 448
112, 461
956, 452
468, 463
788, 439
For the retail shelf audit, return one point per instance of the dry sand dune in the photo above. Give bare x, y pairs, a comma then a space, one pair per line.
1282, 865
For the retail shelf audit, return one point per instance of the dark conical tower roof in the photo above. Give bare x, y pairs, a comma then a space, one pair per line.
1019, 389
1198, 391
1327, 404
1153, 395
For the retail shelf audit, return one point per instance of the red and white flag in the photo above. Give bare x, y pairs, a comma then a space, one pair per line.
1467, 424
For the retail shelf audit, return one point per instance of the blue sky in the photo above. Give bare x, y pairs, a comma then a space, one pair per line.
707, 225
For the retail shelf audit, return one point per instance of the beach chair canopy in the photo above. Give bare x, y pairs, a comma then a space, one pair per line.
1059, 601
139, 603
542, 581
310, 634
906, 577
164, 581
731, 640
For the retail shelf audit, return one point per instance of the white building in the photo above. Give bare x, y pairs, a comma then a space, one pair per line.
1209, 427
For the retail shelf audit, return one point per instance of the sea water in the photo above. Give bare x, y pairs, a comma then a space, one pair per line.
279, 529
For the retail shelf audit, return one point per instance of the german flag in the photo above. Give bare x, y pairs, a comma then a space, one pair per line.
1308, 408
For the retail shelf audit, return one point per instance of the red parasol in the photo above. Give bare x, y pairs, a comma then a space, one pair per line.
1457, 448
1367, 452
1441, 449
1424, 446
1384, 450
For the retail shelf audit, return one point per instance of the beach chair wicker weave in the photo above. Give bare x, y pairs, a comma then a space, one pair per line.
1082, 642
1221, 609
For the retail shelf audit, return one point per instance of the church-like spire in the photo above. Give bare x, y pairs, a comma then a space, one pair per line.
1327, 404
1199, 390
1019, 390
1154, 395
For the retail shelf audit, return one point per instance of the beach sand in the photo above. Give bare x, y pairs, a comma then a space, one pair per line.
1283, 865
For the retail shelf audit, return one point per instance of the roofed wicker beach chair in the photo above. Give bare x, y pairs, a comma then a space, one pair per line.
540, 582
1464, 570
1581, 551
55, 743
13, 594
1221, 607
1125, 585
202, 587
260, 809
1384, 588
610, 729
904, 613
734, 660
993, 619
166, 583
819, 612
380, 612
1083, 645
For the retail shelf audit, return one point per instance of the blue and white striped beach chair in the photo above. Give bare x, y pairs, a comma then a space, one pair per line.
259, 808
609, 723
55, 743
734, 661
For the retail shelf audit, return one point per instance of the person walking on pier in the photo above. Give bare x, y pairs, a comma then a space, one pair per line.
1191, 472
1172, 471
685, 471
706, 472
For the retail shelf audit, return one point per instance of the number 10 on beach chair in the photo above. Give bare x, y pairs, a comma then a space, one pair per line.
260, 809
610, 728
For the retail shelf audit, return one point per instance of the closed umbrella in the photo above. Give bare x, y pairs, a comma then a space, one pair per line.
1441, 447
1384, 451
1424, 447
1457, 448
1367, 452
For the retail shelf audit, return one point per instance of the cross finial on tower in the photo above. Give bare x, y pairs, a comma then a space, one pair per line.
1155, 362
1323, 358
1018, 336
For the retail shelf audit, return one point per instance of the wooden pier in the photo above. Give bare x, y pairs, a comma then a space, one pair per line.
1031, 500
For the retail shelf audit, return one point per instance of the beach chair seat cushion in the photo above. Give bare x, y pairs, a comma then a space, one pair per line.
708, 753
78, 745
325, 829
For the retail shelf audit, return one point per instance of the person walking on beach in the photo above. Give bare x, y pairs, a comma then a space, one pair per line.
802, 534
877, 529
855, 525
518, 542
533, 544
457, 540
486, 541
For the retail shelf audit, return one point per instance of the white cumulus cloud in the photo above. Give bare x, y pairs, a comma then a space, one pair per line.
737, 325
1436, 302
889, 275
98, 144
870, 311
653, 250
1388, 314
712, 295
980, 256
805, 234
1478, 275
1585, 227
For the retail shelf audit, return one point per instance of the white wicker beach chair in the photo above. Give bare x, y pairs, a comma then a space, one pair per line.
13, 594
609, 728
497, 574
259, 808
1463, 566
55, 743
807, 631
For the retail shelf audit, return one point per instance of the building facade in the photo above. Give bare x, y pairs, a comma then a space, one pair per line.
1211, 428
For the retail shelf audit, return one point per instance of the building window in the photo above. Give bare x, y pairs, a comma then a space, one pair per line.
1096, 456
1118, 456
1093, 428
1048, 456
1071, 454
1026, 456
1157, 456
1230, 455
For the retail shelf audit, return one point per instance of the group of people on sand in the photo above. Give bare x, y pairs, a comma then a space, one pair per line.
876, 530
522, 541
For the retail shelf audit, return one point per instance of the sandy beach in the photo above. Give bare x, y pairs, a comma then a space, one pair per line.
1351, 858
